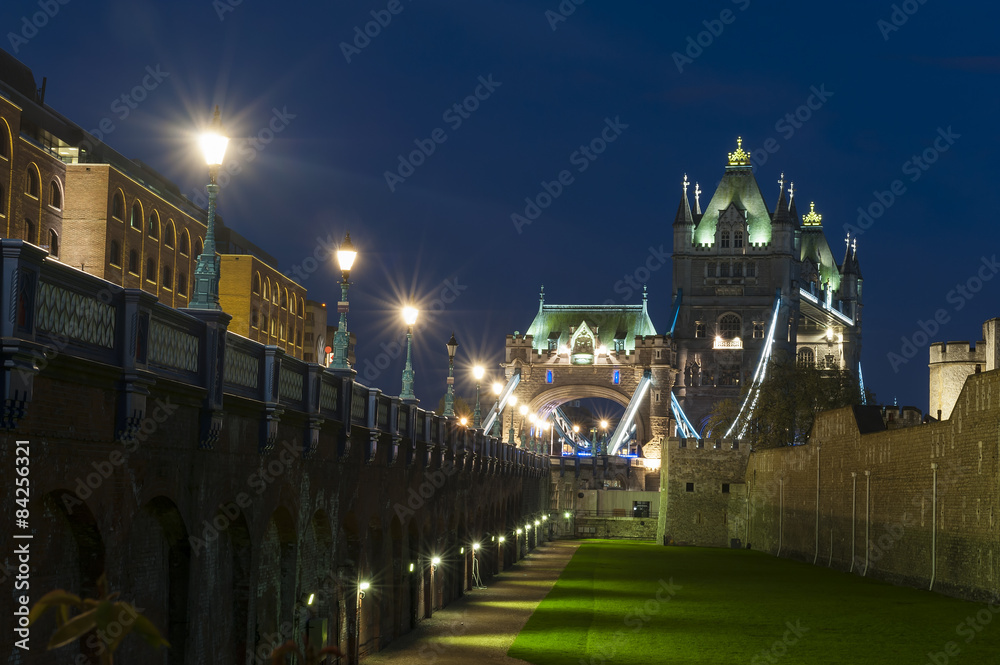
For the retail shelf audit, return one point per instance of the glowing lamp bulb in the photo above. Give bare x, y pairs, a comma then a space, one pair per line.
502, 539
523, 409
475, 546
364, 586
478, 372
410, 315
346, 254
604, 424
497, 388
435, 560
464, 421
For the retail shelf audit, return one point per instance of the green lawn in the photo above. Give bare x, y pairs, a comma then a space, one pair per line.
627, 602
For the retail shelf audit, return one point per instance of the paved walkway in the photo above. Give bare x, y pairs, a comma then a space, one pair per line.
481, 626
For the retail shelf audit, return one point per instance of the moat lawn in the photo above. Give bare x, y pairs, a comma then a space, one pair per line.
625, 602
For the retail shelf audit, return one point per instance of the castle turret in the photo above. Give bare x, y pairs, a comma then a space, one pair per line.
683, 221
783, 225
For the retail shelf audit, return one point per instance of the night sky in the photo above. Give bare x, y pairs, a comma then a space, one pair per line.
889, 84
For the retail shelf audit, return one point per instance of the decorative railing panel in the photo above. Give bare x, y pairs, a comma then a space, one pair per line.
328, 394
290, 384
359, 405
173, 348
242, 369
79, 317
383, 414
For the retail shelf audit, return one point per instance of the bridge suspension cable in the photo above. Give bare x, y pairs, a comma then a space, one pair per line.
625, 424
505, 394
739, 425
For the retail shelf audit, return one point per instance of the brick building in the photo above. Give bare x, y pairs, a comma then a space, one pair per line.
272, 311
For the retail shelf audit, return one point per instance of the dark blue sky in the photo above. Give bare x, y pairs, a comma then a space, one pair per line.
448, 226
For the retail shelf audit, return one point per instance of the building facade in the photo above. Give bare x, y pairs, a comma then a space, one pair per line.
743, 274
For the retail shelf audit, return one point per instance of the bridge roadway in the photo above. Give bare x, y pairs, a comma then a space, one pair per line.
236, 494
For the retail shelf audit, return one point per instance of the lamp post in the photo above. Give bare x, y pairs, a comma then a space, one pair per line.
341, 339
510, 432
497, 422
206, 272
532, 432
604, 437
478, 372
449, 396
410, 316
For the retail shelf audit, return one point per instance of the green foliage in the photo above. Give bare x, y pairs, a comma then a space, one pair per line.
95, 614
789, 400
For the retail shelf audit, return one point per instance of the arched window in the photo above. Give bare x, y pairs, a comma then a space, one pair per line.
738, 239
292, 304
284, 298
115, 256
182, 283
254, 318
199, 246
168, 239
185, 243
806, 357
150, 269
267, 289
55, 195
256, 284
274, 293
31, 181
118, 206
730, 326
133, 262
29, 231
136, 220
4, 144
281, 331
53, 243
274, 326
724, 239
153, 226
168, 277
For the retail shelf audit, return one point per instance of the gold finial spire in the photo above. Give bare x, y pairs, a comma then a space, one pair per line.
813, 218
740, 157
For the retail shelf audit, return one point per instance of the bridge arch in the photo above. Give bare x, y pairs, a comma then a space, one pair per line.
546, 400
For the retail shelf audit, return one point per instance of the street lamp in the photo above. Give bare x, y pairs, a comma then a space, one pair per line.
478, 372
206, 272
341, 340
604, 437
497, 422
513, 403
449, 396
410, 316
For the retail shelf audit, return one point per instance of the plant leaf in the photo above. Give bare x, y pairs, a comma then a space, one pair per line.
103, 615
57, 597
148, 631
73, 629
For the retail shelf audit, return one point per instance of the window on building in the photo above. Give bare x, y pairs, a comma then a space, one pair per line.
616, 377
31, 183
281, 331
725, 488
29, 231
300, 338
199, 247
737, 269
153, 226
758, 330
133, 262
55, 195
710, 269
255, 284
185, 243
284, 299
53, 243
699, 329
724, 269
267, 289
724, 239
135, 221
553, 344
640, 509
168, 238
738, 239
151, 269
115, 255
689, 487
118, 206
751, 270
273, 328
254, 318
805, 357
548, 376
291, 305
168, 277
182, 281
730, 326
309, 337
831, 361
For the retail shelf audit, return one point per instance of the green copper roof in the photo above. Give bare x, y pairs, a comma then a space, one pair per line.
610, 322
817, 249
738, 186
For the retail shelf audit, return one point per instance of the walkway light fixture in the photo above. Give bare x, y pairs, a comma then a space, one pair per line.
449, 396
406, 395
341, 339
206, 273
